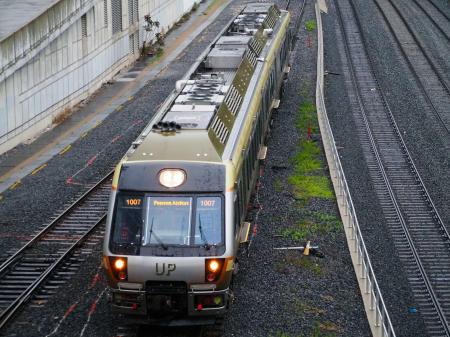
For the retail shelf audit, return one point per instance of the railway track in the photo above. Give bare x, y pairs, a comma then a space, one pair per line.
22, 274
418, 232
426, 71
436, 15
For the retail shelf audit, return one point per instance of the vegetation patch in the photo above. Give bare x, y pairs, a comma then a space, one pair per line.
277, 185
309, 179
307, 117
310, 25
306, 262
325, 329
320, 329
303, 308
315, 224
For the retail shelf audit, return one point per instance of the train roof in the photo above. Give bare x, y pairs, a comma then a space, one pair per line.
195, 122
184, 146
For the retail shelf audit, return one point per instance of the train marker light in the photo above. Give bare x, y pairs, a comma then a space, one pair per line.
218, 300
122, 275
172, 177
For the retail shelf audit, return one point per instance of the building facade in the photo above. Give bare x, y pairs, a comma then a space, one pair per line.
65, 53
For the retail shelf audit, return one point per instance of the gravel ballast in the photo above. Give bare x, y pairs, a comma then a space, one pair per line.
276, 295
424, 137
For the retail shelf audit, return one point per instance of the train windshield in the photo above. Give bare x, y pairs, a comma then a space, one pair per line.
163, 221
187, 221
168, 221
128, 222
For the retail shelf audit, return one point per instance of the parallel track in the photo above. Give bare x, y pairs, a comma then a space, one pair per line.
427, 73
438, 17
27, 269
298, 21
419, 235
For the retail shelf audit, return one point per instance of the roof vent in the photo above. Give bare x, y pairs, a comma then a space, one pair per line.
166, 127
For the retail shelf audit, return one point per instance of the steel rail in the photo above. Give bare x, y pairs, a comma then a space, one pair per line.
298, 21
439, 9
381, 165
6, 264
430, 17
416, 39
413, 69
8, 313
33, 263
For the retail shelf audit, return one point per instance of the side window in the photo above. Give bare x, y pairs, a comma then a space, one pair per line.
237, 212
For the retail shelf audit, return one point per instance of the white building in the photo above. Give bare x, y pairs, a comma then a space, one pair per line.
55, 53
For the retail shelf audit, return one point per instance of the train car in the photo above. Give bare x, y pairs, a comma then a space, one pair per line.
180, 194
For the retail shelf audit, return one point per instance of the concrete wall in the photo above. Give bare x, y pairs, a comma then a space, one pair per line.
66, 53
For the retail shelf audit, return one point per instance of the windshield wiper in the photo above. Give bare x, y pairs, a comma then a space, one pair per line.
162, 244
202, 234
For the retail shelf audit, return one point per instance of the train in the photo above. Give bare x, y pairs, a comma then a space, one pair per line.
179, 198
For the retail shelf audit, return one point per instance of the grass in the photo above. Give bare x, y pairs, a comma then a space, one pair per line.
320, 329
315, 223
307, 117
306, 262
325, 329
302, 308
278, 186
158, 54
309, 179
310, 25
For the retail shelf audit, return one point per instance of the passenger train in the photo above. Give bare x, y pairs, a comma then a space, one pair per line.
179, 195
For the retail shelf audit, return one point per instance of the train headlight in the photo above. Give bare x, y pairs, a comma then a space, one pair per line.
213, 268
119, 267
172, 177
119, 264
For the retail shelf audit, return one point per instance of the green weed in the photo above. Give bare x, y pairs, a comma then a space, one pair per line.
278, 186
303, 308
325, 329
310, 25
306, 262
306, 187
313, 225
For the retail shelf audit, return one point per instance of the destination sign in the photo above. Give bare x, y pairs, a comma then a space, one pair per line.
171, 203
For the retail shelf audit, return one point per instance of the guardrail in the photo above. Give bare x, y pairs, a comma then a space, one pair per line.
376, 311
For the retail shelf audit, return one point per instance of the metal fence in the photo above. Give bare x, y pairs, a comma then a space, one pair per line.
377, 313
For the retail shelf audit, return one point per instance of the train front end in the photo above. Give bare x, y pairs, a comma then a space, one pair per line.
167, 253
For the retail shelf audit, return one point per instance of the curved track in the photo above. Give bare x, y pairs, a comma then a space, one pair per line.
436, 15
427, 73
27, 269
420, 237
